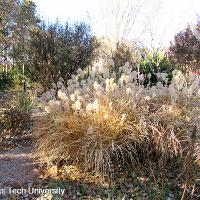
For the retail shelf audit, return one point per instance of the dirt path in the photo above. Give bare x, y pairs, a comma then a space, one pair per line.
17, 167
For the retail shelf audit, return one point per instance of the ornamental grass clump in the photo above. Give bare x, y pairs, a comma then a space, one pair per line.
106, 120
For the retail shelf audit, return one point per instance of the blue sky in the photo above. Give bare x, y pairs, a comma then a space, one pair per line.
157, 21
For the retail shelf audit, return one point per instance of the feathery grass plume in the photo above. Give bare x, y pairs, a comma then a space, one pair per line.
101, 121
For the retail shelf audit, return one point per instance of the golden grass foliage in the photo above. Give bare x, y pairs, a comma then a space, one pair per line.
99, 129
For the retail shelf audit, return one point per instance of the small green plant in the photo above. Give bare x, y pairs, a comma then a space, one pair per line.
24, 102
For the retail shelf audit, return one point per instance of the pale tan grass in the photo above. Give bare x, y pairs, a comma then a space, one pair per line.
152, 129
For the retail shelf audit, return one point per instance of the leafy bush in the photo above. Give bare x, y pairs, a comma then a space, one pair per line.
185, 50
15, 120
102, 121
17, 116
154, 63
12, 79
125, 53
58, 51
17, 75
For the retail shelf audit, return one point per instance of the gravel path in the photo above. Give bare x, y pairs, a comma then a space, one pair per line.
17, 167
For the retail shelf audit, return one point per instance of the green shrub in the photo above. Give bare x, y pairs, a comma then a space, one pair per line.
153, 63
13, 79
58, 51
